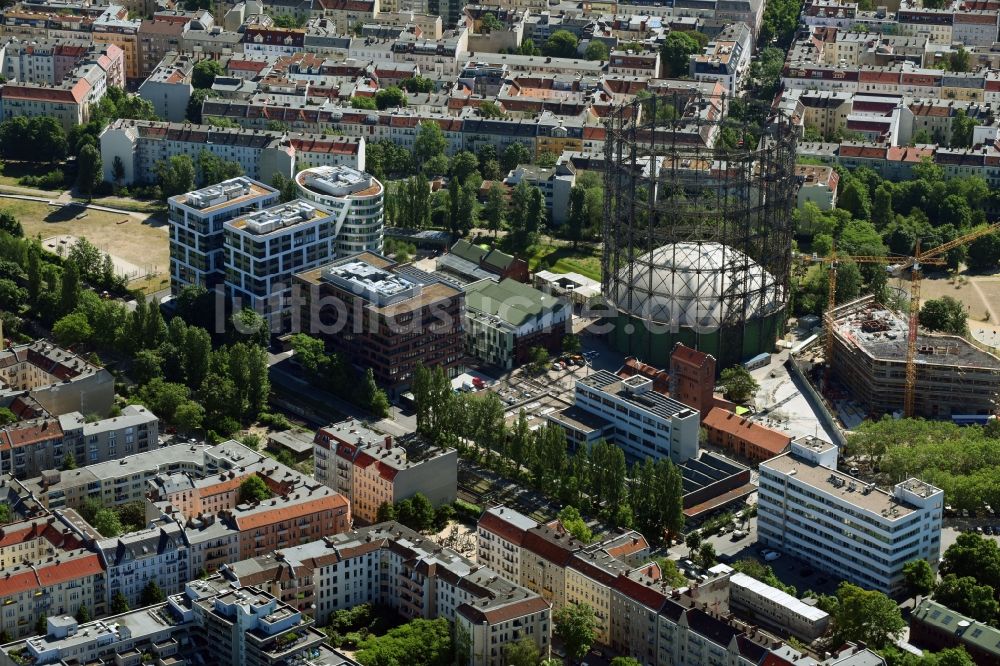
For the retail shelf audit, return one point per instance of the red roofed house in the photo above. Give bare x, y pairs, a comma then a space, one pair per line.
44, 571
743, 436
371, 471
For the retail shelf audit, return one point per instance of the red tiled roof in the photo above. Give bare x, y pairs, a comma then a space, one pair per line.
770, 440
290, 511
647, 595
75, 568
497, 525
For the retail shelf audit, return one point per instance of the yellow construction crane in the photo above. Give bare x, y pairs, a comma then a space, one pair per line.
831, 300
902, 264
928, 257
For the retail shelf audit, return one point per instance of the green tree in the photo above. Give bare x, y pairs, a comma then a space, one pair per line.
919, 577
69, 461
176, 175
867, 616
738, 384
706, 554
151, 594
577, 219
561, 44
430, 142
946, 314
253, 490
855, 199
489, 109
419, 642
386, 512
528, 48
390, 98
119, 604
495, 208
524, 652
962, 128
41, 625
576, 626
463, 165
89, 171
984, 253
422, 512
596, 50
107, 523
363, 102
693, 542
189, 416
204, 72
73, 329
82, 614
625, 661
571, 521
192, 112
972, 555
418, 84
966, 596
676, 52
490, 22
515, 153
214, 169
538, 358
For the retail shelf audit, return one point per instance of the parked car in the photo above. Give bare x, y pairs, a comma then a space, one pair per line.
771, 556
739, 534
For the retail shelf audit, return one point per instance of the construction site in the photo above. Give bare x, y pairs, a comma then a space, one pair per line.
953, 378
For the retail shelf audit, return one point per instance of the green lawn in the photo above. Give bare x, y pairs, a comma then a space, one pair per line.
585, 260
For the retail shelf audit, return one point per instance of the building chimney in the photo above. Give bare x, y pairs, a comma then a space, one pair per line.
388, 442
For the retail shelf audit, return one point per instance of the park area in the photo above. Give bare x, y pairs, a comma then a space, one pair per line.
138, 243
585, 260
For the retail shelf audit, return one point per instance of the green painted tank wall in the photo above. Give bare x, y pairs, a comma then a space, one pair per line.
729, 346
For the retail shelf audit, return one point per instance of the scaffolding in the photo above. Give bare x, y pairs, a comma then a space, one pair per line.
699, 194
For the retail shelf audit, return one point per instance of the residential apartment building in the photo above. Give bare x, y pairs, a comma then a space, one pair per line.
371, 471
67, 100
555, 182
135, 430
637, 613
114, 482
140, 144
41, 61
384, 316
391, 565
726, 58
157, 554
264, 249
645, 422
47, 571
299, 510
842, 525
168, 87
39, 381
197, 255
504, 320
210, 622
768, 606
743, 436
111, 28
817, 185
356, 200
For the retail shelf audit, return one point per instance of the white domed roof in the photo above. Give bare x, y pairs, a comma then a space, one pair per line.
696, 285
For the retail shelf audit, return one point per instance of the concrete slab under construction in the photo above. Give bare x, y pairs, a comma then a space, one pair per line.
954, 377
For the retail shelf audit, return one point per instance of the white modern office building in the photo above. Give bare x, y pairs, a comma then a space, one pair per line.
645, 423
355, 199
196, 228
842, 525
266, 248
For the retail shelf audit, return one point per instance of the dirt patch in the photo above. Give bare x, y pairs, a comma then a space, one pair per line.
960, 288
134, 239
